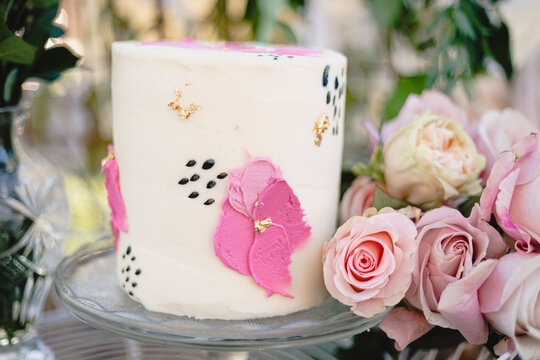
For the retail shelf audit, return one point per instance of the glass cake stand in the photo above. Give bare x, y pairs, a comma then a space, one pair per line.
87, 285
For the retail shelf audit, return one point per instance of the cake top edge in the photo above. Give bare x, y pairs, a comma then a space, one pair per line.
236, 48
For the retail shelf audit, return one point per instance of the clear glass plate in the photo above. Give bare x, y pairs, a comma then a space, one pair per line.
87, 285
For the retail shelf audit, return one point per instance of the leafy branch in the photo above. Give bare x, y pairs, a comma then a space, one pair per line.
25, 28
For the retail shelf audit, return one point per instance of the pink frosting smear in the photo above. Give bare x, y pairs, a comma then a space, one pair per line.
257, 193
114, 196
189, 43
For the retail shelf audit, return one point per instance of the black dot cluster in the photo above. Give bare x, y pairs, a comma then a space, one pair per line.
335, 90
130, 271
195, 177
276, 56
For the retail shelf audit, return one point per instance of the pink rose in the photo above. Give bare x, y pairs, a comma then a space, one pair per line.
510, 301
497, 131
452, 253
357, 198
369, 261
512, 194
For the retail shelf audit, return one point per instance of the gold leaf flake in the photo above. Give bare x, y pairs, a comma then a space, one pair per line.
110, 156
183, 112
321, 125
262, 225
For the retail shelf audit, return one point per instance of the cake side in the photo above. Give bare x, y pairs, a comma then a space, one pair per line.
230, 107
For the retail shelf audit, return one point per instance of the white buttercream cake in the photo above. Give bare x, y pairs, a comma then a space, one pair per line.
228, 158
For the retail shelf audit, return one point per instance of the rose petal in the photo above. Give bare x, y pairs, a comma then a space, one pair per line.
233, 238
269, 260
404, 326
460, 306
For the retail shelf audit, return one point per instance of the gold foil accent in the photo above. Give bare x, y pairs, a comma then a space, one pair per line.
183, 112
262, 225
321, 125
110, 156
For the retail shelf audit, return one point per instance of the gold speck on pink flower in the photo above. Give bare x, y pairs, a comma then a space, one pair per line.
321, 125
110, 156
262, 225
183, 112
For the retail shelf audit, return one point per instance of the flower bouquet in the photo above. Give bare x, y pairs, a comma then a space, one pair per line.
440, 229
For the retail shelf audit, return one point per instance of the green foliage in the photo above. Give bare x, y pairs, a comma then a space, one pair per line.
264, 16
405, 85
374, 168
25, 27
466, 207
457, 39
382, 200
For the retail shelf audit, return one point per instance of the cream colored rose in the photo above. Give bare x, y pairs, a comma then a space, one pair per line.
432, 160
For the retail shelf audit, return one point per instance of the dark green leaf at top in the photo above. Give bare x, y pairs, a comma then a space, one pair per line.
52, 62
42, 4
16, 50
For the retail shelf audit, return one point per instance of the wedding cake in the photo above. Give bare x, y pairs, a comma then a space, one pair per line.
224, 177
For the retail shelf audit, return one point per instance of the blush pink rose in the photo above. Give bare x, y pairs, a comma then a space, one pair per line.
497, 131
510, 301
357, 198
512, 195
369, 262
451, 266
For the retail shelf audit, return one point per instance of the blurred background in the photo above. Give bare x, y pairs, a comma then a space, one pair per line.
394, 47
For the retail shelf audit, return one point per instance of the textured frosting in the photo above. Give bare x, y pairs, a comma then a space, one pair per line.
177, 152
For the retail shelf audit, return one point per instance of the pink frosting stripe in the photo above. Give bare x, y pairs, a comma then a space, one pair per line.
189, 43
114, 196
260, 226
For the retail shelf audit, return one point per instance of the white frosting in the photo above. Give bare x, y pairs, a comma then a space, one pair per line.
250, 105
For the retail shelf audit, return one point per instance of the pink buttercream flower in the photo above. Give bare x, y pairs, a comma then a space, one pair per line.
497, 131
510, 300
114, 195
357, 198
512, 194
452, 263
260, 226
369, 262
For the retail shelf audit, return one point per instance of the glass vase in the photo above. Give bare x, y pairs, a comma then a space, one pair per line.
34, 219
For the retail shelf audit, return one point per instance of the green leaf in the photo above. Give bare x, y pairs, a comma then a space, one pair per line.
386, 12
499, 49
466, 207
37, 33
406, 85
42, 4
52, 62
56, 31
374, 169
464, 25
382, 200
9, 85
16, 50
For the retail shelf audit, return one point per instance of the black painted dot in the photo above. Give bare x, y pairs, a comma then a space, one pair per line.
128, 268
275, 57
290, 56
191, 163
133, 258
335, 111
195, 177
328, 97
209, 202
208, 164
337, 128
223, 175
127, 279
340, 92
123, 271
134, 284
130, 293
193, 195
325, 75
138, 272
183, 181
124, 286
210, 184
333, 131
334, 100
336, 83
260, 55
123, 256
128, 251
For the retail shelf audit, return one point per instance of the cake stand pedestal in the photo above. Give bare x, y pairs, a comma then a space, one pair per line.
86, 284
